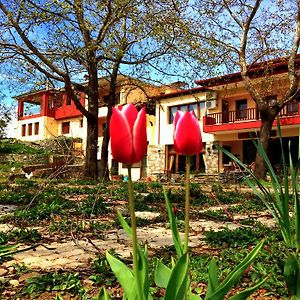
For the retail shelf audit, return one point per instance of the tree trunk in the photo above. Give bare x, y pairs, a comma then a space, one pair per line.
264, 140
104, 172
91, 162
91, 166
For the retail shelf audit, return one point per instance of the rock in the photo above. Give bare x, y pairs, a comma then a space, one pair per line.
3, 272
8, 294
26, 276
11, 270
88, 282
14, 282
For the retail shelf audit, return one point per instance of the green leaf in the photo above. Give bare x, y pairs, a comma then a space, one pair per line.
194, 297
213, 280
295, 178
124, 224
247, 292
178, 282
142, 263
103, 294
291, 274
173, 225
143, 270
162, 274
123, 273
235, 275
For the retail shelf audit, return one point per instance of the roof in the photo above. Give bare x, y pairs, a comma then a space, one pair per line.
34, 92
181, 92
276, 66
102, 81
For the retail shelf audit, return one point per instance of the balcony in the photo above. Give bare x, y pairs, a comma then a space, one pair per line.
248, 119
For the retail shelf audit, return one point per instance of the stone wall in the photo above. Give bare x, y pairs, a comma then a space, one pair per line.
211, 159
155, 159
23, 159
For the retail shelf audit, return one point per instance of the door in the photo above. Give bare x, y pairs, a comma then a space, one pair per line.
225, 111
241, 109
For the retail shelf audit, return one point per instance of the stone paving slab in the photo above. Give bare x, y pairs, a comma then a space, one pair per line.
74, 254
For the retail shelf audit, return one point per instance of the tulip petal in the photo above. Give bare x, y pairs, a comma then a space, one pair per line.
187, 135
130, 112
140, 136
120, 137
178, 115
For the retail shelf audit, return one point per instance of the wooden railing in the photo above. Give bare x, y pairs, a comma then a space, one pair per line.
249, 114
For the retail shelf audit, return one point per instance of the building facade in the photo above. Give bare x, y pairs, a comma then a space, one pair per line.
48, 113
229, 118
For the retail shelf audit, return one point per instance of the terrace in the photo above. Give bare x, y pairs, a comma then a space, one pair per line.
247, 119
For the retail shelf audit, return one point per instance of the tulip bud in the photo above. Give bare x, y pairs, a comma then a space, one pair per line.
128, 135
187, 134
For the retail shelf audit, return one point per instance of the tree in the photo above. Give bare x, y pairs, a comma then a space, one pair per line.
250, 31
64, 39
5, 117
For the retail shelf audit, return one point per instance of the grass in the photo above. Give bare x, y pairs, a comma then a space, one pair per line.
85, 210
12, 146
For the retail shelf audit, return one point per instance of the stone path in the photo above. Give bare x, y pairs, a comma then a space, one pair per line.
71, 255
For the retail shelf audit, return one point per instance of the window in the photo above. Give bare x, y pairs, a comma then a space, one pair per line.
292, 108
81, 123
23, 129
36, 128
197, 108
65, 127
30, 129
31, 108
241, 109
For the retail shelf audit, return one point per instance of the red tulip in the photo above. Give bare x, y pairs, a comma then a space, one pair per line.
128, 135
187, 135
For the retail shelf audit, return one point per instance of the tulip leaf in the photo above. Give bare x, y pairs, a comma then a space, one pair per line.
123, 274
162, 274
173, 225
294, 175
194, 297
244, 295
235, 275
178, 283
291, 275
213, 280
143, 270
124, 224
143, 266
103, 295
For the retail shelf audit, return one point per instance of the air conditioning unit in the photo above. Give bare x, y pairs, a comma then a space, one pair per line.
210, 95
211, 104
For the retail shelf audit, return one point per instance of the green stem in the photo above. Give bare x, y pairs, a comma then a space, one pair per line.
187, 204
187, 214
134, 235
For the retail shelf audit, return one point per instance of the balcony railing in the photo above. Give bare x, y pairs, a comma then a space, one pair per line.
250, 114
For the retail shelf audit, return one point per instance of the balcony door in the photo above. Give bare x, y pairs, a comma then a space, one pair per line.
225, 111
241, 109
